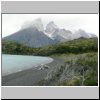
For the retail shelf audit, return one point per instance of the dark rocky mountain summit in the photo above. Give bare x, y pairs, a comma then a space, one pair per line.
30, 37
33, 34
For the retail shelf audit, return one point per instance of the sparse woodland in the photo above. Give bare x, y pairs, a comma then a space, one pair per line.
80, 56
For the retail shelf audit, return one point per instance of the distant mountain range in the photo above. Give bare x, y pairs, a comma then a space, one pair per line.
33, 34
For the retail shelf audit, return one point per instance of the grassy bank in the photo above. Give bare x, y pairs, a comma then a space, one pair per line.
78, 70
80, 67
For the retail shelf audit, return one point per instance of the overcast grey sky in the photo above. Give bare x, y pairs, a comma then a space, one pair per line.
88, 22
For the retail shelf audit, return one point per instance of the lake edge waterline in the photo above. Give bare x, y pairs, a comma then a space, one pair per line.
28, 62
30, 77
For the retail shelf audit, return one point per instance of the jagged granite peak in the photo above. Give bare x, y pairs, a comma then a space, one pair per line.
37, 23
62, 35
55, 33
82, 34
32, 34
93, 35
51, 27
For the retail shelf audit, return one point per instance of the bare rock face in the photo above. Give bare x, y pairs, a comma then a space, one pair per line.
30, 37
54, 32
32, 34
51, 28
82, 34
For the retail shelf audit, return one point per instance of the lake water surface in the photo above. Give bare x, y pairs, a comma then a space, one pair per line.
15, 63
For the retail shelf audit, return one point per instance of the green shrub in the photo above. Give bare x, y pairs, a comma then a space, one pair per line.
90, 82
41, 82
72, 82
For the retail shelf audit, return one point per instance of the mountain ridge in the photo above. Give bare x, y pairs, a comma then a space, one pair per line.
33, 34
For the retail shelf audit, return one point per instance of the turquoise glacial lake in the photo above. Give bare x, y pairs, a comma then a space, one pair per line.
15, 63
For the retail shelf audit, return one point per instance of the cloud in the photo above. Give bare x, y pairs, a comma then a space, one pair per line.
89, 22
